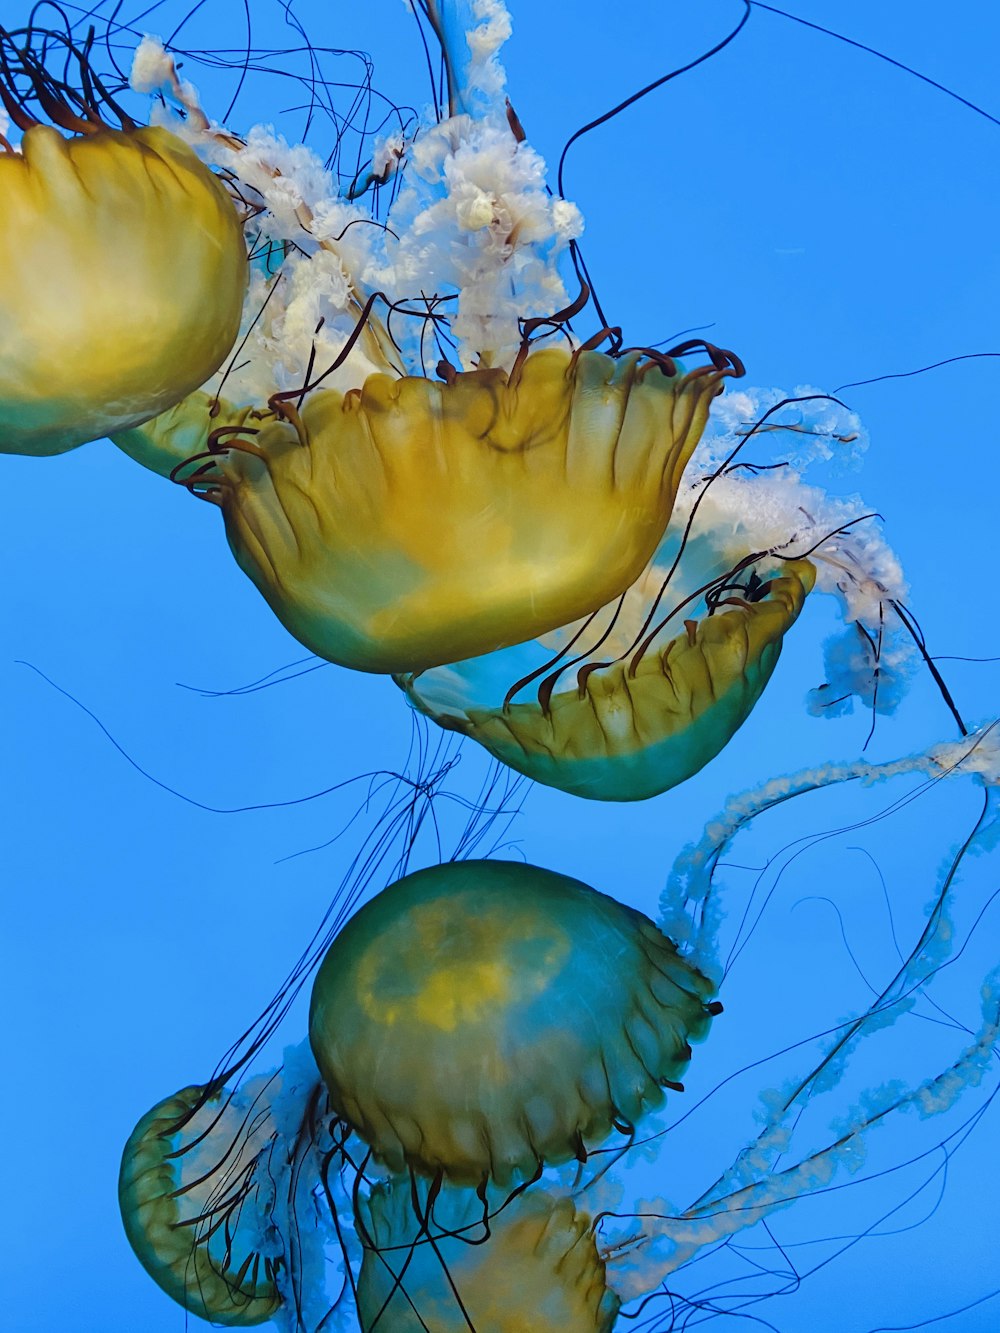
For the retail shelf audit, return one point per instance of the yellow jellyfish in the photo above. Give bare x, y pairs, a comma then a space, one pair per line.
124, 279
530, 1263
480, 1018
640, 697
409, 523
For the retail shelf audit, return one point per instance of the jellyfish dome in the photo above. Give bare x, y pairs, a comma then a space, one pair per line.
531, 1263
126, 276
553, 487
480, 1018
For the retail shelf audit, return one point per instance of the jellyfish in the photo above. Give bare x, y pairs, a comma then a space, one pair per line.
479, 1018
164, 1205
130, 270
439, 1261
214, 1181
551, 486
629, 730
275, 1170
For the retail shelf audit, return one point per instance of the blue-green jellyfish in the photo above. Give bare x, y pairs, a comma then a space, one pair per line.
215, 1192
480, 1018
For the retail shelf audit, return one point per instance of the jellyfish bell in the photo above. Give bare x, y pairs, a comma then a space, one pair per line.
548, 486
628, 723
479, 1018
392, 521
531, 1262
214, 1189
635, 700
127, 273
128, 287
169, 1220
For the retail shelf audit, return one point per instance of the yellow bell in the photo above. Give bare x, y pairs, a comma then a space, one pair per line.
123, 284
410, 523
183, 1213
184, 432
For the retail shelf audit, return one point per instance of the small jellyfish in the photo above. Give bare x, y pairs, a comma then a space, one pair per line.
480, 1018
530, 1263
182, 1214
216, 1192
127, 265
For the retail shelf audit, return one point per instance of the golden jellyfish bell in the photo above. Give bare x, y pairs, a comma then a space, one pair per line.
478, 1019
529, 1261
619, 735
123, 286
409, 523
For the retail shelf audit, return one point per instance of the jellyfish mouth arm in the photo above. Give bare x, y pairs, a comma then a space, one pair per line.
473, 220
687, 909
733, 1203
470, 33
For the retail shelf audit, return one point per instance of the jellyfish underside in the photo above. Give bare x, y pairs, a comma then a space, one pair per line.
480, 1018
634, 720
